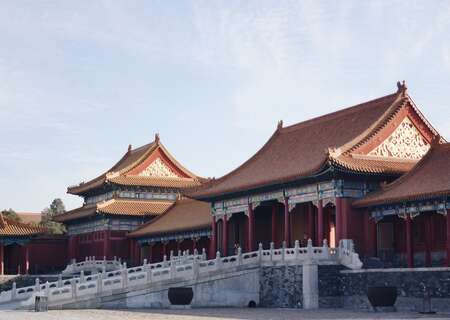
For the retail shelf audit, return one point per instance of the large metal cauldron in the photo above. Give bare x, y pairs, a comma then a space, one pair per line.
382, 296
180, 296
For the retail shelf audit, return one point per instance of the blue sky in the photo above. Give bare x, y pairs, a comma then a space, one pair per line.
80, 80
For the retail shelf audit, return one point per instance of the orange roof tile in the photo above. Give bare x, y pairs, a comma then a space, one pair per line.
123, 207
429, 178
185, 214
9, 227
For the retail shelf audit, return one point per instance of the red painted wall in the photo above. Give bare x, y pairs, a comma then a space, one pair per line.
48, 254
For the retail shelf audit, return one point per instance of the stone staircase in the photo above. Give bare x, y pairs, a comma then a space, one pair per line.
223, 281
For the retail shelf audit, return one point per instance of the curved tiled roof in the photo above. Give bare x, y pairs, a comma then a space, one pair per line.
302, 149
129, 158
134, 207
119, 172
373, 165
186, 214
430, 178
122, 207
306, 148
164, 182
9, 227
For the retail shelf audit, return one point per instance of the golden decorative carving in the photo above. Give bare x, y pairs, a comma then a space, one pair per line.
158, 169
405, 142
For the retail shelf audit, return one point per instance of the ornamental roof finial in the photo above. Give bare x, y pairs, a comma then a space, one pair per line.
130, 147
436, 141
157, 138
280, 125
401, 87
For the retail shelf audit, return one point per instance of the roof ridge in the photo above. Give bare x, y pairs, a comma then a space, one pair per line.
381, 123
334, 114
152, 146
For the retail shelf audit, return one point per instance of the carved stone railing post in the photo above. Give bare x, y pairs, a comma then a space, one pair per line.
124, 277
203, 254
309, 250
73, 285
60, 284
239, 254
260, 253
37, 285
283, 251
218, 261
272, 247
47, 289
173, 270
296, 249
81, 276
13, 291
164, 262
100, 283
325, 249
195, 268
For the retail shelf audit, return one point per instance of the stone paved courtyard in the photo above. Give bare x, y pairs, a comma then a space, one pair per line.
251, 314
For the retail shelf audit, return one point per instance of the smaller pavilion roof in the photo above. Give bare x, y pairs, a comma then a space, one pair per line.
183, 215
430, 178
9, 227
28, 217
121, 207
150, 165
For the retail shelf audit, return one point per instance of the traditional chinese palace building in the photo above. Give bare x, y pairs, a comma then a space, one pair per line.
376, 173
14, 245
142, 185
308, 180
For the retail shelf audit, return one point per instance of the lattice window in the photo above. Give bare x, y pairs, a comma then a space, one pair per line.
405, 142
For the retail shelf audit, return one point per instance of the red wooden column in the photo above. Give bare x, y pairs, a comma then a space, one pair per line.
345, 208
2, 261
338, 227
448, 238
27, 259
274, 224
310, 212
194, 245
213, 242
287, 227
370, 235
428, 240
106, 244
409, 243
225, 236
251, 228
319, 232
164, 249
